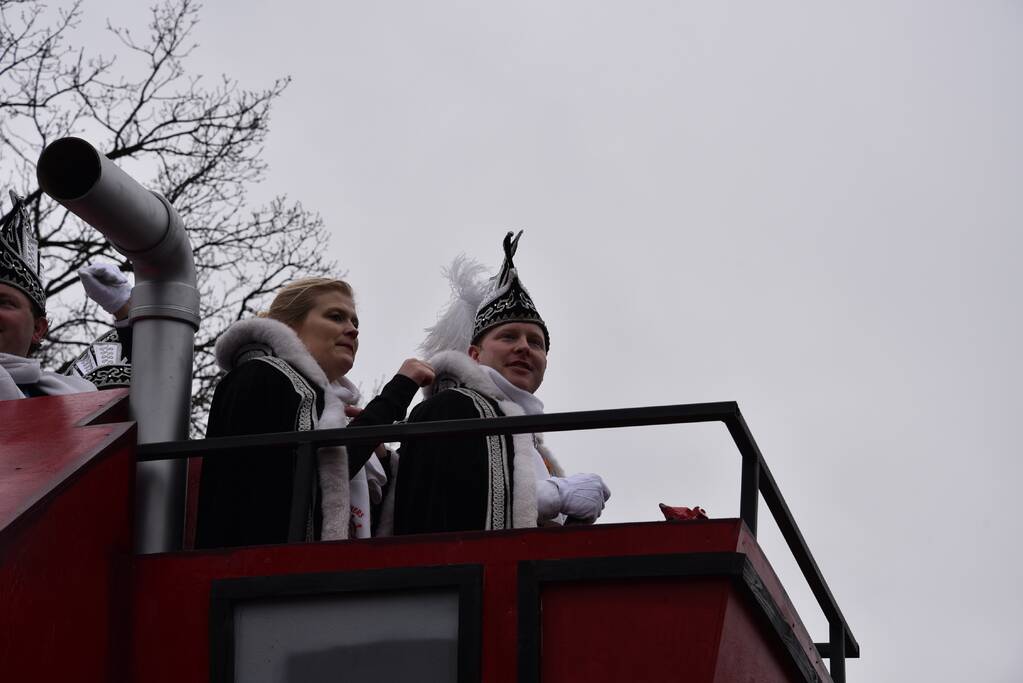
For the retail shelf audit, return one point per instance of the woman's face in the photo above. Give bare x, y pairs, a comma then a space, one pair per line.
330, 331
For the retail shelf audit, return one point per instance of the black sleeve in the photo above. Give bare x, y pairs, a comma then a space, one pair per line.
442, 482
124, 336
385, 409
245, 497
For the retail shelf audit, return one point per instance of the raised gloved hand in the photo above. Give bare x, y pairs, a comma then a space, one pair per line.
418, 371
580, 496
105, 284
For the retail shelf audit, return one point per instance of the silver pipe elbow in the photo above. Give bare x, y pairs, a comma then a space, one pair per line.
164, 314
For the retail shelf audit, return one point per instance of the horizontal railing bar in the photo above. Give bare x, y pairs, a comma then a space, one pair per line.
747, 445
551, 422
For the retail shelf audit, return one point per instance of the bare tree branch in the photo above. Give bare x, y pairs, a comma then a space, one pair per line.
203, 142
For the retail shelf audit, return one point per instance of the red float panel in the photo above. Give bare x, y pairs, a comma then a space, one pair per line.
655, 601
172, 593
744, 654
655, 630
44, 441
65, 547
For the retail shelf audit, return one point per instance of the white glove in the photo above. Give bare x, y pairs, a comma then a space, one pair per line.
105, 284
580, 496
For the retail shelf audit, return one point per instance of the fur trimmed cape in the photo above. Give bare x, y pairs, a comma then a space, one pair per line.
467, 483
273, 384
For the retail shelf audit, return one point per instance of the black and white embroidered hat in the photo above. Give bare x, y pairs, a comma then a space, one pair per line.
19, 254
479, 304
103, 363
507, 301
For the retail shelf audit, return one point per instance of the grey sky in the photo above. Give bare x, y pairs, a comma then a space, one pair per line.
810, 208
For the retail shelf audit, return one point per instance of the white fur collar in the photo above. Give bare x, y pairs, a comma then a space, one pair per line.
465, 371
281, 339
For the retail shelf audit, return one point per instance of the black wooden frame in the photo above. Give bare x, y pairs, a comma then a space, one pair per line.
465, 579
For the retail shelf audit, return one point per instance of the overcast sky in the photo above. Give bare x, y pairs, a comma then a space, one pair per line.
811, 208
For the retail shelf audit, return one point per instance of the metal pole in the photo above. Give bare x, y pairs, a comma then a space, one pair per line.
837, 651
749, 493
749, 496
144, 227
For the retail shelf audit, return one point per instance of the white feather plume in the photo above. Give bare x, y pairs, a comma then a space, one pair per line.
453, 329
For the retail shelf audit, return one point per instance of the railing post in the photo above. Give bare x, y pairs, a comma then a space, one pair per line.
749, 492
749, 496
301, 492
837, 650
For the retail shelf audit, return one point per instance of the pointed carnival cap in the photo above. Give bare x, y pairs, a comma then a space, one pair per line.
479, 305
19, 254
507, 301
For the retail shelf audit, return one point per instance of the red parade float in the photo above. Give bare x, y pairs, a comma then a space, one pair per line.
95, 584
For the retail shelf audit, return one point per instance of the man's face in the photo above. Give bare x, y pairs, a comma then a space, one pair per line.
517, 351
19, 326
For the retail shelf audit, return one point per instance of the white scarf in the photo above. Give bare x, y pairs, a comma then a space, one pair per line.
345, 508
15, 370
530, 405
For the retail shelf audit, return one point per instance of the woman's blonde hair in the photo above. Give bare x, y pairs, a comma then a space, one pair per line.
297, 298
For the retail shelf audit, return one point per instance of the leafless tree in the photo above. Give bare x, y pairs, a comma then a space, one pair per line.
195, 141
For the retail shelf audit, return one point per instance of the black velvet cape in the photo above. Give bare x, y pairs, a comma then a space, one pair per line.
245, 498
444, 483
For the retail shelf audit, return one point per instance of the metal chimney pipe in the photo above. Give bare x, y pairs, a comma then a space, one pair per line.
144, 227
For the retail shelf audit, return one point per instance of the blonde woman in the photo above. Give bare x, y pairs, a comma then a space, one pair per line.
286, 372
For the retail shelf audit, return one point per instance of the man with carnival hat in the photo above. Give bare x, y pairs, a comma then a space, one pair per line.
489, 351
23, 323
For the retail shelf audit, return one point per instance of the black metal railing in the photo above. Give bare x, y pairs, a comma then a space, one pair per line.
756, 476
